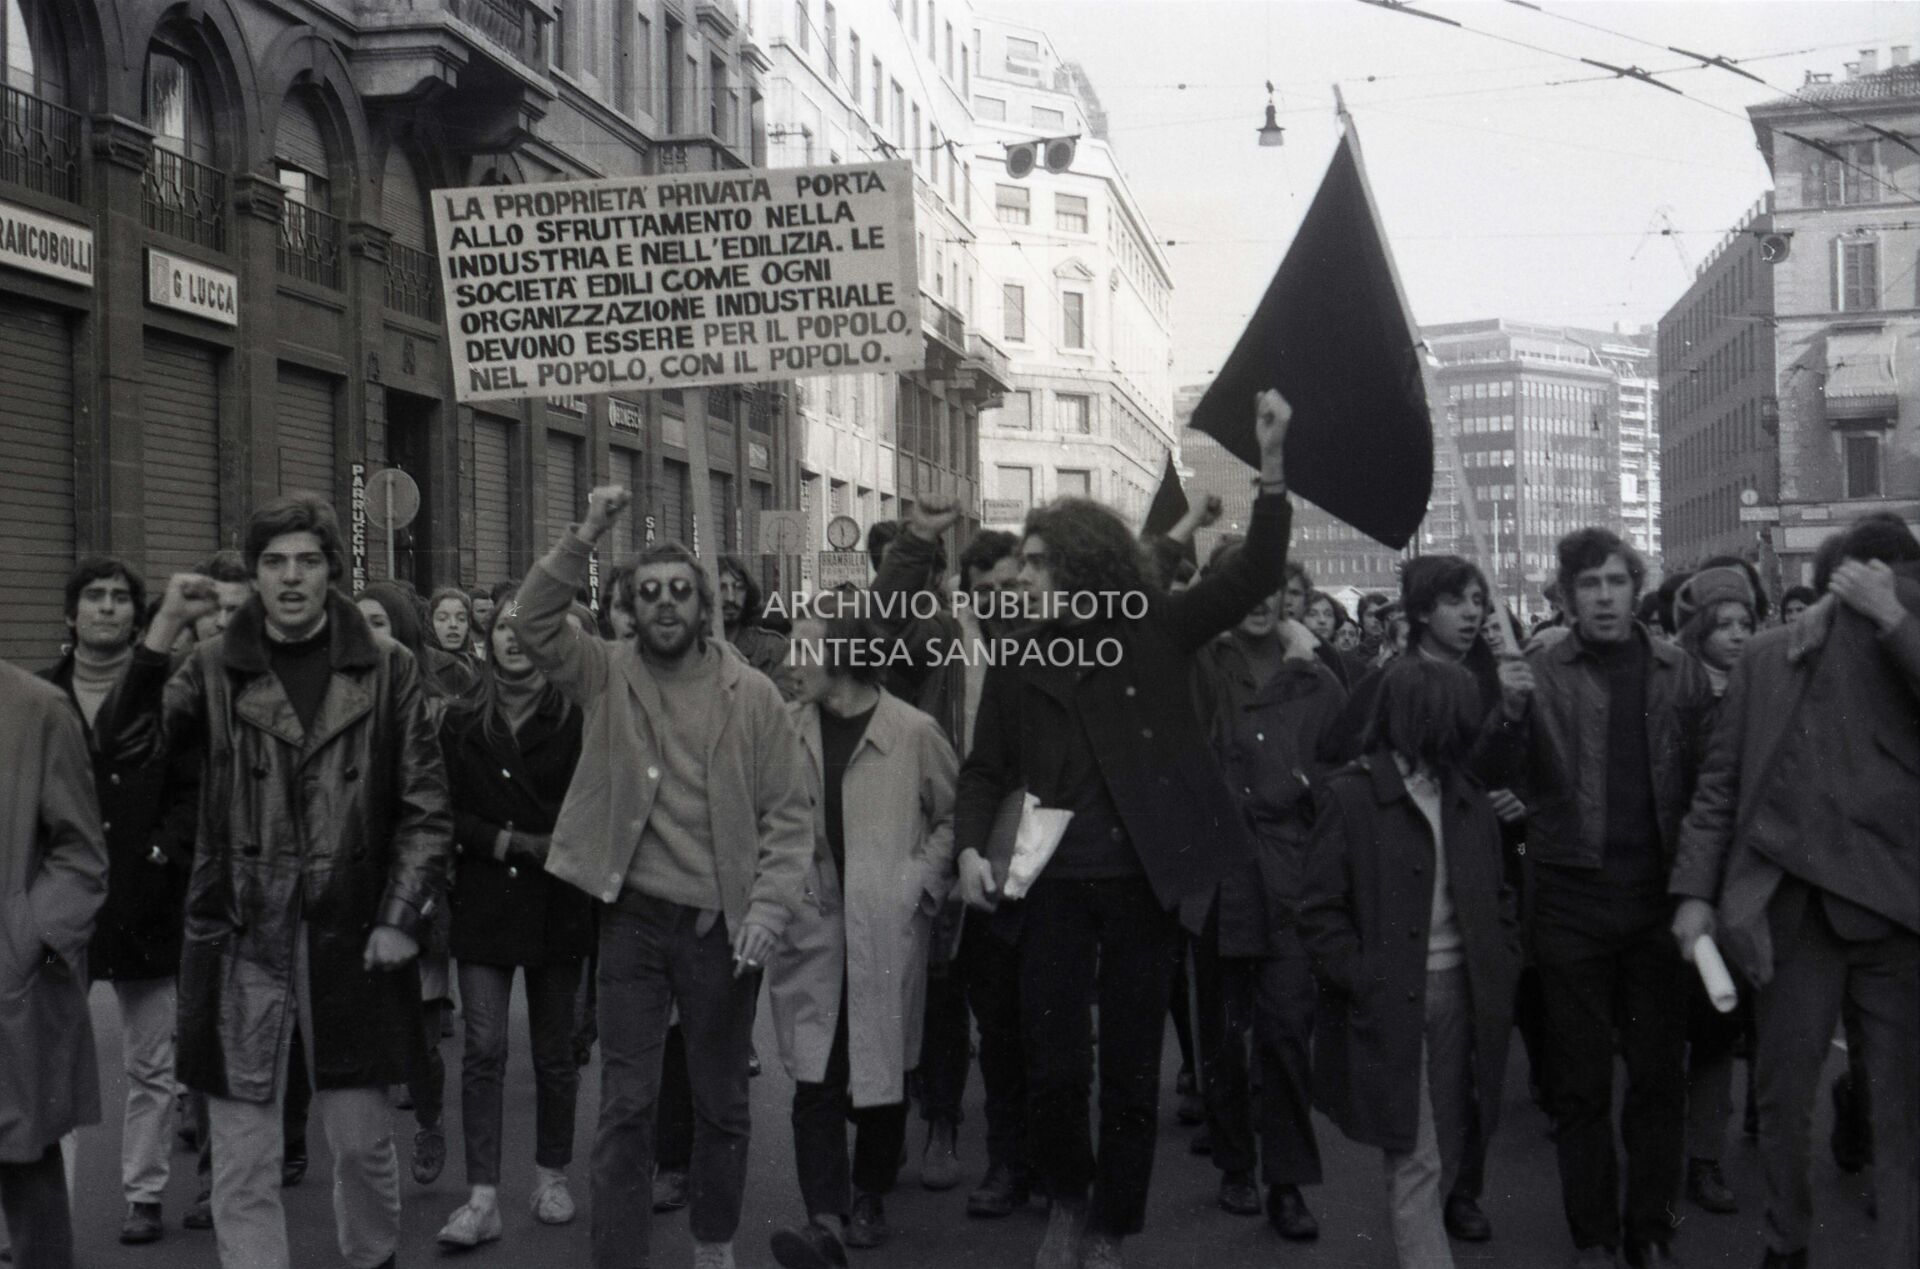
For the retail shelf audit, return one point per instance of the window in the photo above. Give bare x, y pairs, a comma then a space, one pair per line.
1012, 205
1013, 306
899, 115
879, 102
31, 48
1860, 453
1045, 118
1019, 50
177, 107
801, 22
829, 36
1850, 178
1015, 483
853, 67
990, 109
1076, 412
1073, 319
1856, 275
1070, 213
676, 109
949, 50
1017, 413
562, 39
1074, 484
643, 66
915, 134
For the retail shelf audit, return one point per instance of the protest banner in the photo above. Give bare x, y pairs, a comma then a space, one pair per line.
683, 281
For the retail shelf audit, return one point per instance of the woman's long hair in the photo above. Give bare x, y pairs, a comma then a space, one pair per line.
1428, 712
433, 606
480, 707
409, 631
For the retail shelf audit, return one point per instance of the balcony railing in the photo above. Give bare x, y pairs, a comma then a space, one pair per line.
508, 23
673, 158
410, 282
309, 245
39, 145
186, 199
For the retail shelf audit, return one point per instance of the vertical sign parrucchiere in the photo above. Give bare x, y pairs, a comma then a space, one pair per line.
359, 527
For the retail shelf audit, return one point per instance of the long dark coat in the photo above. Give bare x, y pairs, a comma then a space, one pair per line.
53, 879
509, 914
147, 813
344, 828
1365, 919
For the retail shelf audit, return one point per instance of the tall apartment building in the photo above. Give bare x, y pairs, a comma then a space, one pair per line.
862, 80
1719, 411
1846, 300
273, 157
1076, 290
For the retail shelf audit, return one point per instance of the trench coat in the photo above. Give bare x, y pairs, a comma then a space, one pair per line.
1365, 917
342, 829
53, 881
898, 815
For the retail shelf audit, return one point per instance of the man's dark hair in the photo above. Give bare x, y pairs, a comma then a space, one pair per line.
1761, 608
987, 549
849, 648
879, 537
1661, 613
1881, 536
296, 513
750, 599
1371, 601
504, 590
1427, 579
1805, 594
671, 551
227, 566
1590, 548
1093, 550
100, 568
1427, 711
408, 624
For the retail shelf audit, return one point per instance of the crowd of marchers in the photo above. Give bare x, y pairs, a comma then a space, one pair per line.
1347, 857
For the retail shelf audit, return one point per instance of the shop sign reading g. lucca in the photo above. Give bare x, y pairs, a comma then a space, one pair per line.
187, 286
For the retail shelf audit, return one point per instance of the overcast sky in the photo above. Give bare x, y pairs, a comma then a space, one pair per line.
1503, 196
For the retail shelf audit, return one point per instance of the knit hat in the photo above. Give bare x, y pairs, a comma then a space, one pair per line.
1710, 587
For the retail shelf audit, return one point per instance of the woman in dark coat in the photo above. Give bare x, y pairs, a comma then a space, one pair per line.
1410, 927
511, 749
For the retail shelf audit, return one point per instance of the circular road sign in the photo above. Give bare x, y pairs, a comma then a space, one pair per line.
1749, 497
843, 533
392, 490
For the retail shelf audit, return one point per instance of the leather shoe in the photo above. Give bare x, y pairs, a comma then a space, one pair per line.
1707, 1188
1190, 1109
200, 1215
867, 1227
1287, 1213
293, 1166
1465, 1220
669, 1190
810, 1246
1852, 1137
142, 1224
1201, 1142
1000, 1192
1784, 1259
1648, 1255
1239, 1195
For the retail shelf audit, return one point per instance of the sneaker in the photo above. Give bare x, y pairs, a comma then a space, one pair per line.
1000, 1192
471, 1225
809, 1246
1060, 1248
669, 1190
429, 1155
552, 1199
713, 1256
142, 1224
867, 1227
1100, 1251
1707, 1188
940, 1165
200, 1215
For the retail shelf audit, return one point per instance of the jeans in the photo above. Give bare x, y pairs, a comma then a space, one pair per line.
991, 968
1418, 1180
33, 1197
652, 958
146, 1142
1712, 1037
249, 1221
820, 1116
1078, 938
1814, 971
673, 1121
945, 1039
1601, 969
485, 992
427, 1083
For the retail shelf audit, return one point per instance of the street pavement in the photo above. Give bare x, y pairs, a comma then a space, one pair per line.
1185, 1230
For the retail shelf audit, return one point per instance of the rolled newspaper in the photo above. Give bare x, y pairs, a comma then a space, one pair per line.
1713, 974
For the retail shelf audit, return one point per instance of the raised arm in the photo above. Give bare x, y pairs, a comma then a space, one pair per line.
153, 712
1218, 602
575, 663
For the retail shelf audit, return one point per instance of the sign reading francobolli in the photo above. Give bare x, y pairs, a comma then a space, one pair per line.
44, 245
187, 286
679, 281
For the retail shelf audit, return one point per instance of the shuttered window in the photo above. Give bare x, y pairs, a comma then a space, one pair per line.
492, 506
36, 481
724, 516
630, 469
403, 202
306, 419
181, 463
676, 502
564, 497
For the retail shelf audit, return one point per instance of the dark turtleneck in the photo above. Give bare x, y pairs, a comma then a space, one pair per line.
303, 667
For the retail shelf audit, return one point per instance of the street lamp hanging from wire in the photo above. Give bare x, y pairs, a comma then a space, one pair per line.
1271, 133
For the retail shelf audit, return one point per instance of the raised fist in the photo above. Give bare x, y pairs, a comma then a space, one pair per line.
189, 597
932, 515
605, 503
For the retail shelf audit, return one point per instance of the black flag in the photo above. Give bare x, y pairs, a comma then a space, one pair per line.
1169, 502
1334, 334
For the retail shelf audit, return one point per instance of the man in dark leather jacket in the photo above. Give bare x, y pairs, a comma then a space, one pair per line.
323, 840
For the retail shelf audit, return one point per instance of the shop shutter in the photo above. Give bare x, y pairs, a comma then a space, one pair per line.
725, 514
182, 455
36, 481
564, 498
403, 202
676, 502
298, 139
492, 504
630, 469
306, 418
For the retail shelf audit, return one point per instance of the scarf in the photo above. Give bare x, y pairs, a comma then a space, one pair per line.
94, 677
518, 695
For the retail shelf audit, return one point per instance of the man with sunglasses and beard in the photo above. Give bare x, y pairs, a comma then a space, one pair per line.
688, 819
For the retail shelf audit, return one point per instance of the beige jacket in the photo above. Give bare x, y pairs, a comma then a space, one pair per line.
760, 819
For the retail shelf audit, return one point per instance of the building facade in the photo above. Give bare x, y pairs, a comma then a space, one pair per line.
217, 279
1846, 300
865, 80
1719, 413
1077, 292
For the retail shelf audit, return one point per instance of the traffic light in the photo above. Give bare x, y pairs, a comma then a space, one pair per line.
1056, 153
1774, 248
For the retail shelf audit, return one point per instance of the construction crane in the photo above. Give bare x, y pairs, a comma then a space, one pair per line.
1662, 225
